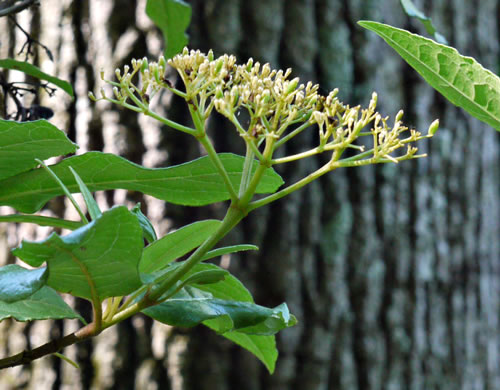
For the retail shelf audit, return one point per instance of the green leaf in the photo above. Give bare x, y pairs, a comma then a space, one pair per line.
229, 249
172, 17
103, 254
92, 207
22, 142
412, 11
263, 347
17, 283
148, 231
43, 305
192, 306
195, 183
32, 70
460, 79
206, 277
176, 244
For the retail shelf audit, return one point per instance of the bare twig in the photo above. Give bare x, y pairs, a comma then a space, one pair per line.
30, 41
49, 348
9, 7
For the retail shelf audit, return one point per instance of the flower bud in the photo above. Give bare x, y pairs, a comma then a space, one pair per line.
266, 69
117, 93
144, 64
218, 66
249, 65
433, 127
292, 86
399, 115
373, 101
161, 62
218, 92
210, 55
92, 96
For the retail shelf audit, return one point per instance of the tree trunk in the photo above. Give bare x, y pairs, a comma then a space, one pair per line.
393, 271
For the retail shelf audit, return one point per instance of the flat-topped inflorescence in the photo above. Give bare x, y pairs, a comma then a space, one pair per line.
279, 107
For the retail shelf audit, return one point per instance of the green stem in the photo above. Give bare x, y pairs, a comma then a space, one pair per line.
232, 218
145, 109
247, 170
65, 190
289, 136
170, 123
294, 187
257, 176
202, 137
132, 297
42, 221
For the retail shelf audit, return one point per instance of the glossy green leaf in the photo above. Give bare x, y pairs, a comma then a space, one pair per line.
43, 305
229, 289
105, 253
195, 183
32, 70
263, 347
192, 306
460, 79
17, 283
22, 142
172, 17
412, 11
92, 207
228, 250
176, 244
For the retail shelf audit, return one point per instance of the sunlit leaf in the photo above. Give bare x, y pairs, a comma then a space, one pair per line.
462, 80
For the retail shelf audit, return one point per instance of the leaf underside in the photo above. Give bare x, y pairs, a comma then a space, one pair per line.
43, 305
172, 17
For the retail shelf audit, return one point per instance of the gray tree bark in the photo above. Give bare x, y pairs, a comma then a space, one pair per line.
393, 271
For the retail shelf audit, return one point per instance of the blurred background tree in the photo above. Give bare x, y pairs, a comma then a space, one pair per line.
393, 271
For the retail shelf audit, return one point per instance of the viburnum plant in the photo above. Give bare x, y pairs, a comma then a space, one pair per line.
104, 259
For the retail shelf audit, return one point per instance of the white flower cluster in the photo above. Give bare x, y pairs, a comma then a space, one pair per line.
275, 103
